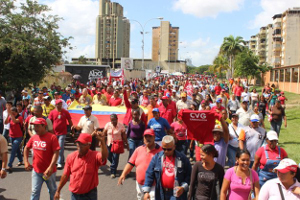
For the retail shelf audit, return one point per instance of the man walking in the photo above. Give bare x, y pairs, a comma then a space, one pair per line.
45, 153
82, 168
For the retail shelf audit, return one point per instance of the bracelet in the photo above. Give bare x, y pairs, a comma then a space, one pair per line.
3, 169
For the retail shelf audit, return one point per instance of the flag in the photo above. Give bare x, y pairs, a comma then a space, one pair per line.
188, 87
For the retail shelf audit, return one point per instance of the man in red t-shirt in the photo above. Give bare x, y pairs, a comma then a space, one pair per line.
82, 168
115, 100
59, 118
166, 110
45, 153
218, 107
218, 89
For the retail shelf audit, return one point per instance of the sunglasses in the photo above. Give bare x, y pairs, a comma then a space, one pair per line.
167, 149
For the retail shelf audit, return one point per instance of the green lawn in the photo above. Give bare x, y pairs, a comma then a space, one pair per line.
289, 137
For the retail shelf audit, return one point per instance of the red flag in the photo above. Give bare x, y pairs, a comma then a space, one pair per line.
188, 87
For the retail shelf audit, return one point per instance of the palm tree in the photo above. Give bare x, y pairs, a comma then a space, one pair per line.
220, 64
231, 47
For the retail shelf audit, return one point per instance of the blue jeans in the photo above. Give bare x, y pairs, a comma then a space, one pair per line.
91, 195
133, 144
1, 126
6, 135
37, 182
113, 159
182, 146
15, 149
275, 126
61, 140
231, 153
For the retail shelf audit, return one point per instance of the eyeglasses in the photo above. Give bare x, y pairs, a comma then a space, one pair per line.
40, 93
167, 149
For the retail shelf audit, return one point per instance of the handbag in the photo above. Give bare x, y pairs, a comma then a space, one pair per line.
251, 194
117, 146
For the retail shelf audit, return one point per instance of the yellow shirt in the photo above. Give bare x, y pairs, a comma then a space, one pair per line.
47, 109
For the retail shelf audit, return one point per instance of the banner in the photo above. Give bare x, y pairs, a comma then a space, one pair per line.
148, 74
126, 63
188, 87
116, 74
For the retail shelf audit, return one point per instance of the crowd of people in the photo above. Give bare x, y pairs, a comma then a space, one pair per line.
225, 154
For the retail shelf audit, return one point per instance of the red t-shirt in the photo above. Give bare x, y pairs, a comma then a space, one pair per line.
77, 95
108, 96
273, 154
167, 113
115, 102
238, 91
168, 173
282, 100
43, 147
218, 90
145, 101
27, 121
15, 130
216, 108
141, 160
200, 125
179, 130
59, 120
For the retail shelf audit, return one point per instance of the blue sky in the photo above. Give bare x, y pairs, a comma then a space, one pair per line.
203, 23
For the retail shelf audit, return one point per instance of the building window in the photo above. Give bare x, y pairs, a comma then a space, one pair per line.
276, 75
271, 75
281, 75
295, 75
287, 75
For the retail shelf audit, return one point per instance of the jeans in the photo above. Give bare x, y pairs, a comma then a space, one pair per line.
113, 159
61, 140
254, 103
275, 126
91, 195
182, 146
37, 182
5, 134
133, 144
1, 126
231, 153
15, 149
192, 150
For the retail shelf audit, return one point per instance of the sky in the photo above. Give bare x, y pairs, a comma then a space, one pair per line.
203, 23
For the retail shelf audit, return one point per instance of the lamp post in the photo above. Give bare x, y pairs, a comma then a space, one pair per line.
143, 34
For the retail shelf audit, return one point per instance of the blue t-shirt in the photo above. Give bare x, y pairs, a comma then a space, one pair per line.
221, 147
159, 127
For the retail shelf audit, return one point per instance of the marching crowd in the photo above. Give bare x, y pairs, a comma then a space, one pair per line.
189, 137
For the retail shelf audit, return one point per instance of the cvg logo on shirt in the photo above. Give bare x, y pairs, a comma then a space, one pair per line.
198, 117
40, 145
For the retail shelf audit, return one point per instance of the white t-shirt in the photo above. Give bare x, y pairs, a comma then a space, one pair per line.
234, 134
6, 126
244, 116
245, 95
254, 96
88, 124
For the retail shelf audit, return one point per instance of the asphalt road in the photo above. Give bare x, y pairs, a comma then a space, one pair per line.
17, 185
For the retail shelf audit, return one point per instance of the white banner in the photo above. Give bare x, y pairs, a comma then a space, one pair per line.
116, 74
149, 74
126, 63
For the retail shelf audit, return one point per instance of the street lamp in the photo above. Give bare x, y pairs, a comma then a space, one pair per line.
143, 33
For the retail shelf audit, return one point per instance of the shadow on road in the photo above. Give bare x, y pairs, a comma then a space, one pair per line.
3, 198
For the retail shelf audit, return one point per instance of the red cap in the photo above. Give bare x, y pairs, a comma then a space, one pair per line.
99, 93
84, 138
133, 92
39, 121
58, 101
149, 132
164, 98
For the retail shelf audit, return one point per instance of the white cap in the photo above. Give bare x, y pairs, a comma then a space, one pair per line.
218, 128
254, 118
286, 165
173, 90
24, 91
272, 135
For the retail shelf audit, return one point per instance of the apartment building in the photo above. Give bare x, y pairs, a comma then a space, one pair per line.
112, 34
165, 42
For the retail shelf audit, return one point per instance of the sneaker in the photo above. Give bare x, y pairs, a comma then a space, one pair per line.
113, 176
9, 170
59, 166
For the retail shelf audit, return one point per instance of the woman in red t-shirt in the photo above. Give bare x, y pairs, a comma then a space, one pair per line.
16, 135
180, 131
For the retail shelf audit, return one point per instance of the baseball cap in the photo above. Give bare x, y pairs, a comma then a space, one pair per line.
87, 107
99, 93
24, 91
133, 92
183, 94
254, 118
164, 98
168, 95
39, 121
286, 165
149, 132
272, 135
47, 98
58, 101
223, 90
282, 92
219, 100
155, 110
173, 90
56, 93
217, 128
84, 138
203, 101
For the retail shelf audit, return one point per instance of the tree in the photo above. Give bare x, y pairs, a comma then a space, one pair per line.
30, 44
231, 47
220, 64
200, 70
81, 60
247, 66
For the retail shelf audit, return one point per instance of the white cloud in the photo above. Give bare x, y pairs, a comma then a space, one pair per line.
207, 8
269, 9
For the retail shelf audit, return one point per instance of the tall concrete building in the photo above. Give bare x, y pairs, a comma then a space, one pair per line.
165, 42
112, 34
